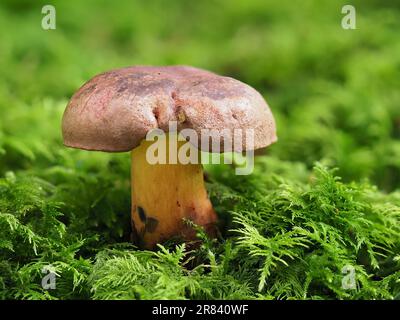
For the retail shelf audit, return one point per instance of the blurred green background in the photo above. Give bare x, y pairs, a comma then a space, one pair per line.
334, 93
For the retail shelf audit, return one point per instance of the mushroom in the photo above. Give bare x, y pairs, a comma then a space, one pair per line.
115, 110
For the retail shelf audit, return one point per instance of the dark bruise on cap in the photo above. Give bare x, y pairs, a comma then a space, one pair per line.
115, 110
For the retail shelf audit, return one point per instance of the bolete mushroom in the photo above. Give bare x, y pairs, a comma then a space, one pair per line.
115, 110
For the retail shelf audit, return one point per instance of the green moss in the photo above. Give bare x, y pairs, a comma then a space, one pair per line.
287, 239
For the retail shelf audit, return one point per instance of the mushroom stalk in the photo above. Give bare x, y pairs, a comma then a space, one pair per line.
164, 195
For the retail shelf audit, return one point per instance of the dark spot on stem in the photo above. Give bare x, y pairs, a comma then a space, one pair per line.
142, 214
151, 224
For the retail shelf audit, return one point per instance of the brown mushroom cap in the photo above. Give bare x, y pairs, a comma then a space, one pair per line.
114, 110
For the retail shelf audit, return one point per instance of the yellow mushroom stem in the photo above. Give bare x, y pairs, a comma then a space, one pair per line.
164, 195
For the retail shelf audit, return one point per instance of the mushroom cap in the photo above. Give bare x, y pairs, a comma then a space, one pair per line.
115, 110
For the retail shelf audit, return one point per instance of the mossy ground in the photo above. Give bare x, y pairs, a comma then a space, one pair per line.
287, 230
